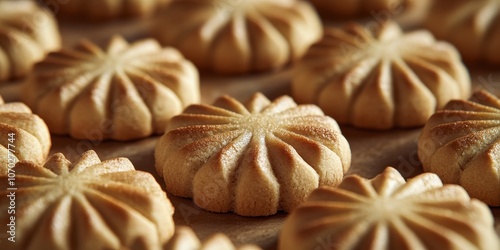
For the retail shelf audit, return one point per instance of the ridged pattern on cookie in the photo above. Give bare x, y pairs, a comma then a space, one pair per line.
27, 34
123, 92
472, 26
378, 77
24, 133
461, 144
239, 36
255, 158
88, 204
389, 213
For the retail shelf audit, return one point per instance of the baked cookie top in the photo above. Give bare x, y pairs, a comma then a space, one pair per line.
253, 158
460, 144
27, 34
23, 135
121, 92
387, 212
87, 204
239, 36
379, 77
472, 26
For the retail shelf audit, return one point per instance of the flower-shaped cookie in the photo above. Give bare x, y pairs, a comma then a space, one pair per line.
88, 204
103, 10
254, 158
378, 77
388, 213
460, 144
239, 36
472, 26
27, 33
184, 238
125, 92
23, 136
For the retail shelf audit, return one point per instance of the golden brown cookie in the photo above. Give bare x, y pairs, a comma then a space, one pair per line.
460, 144
239, 36
27, 34
88, 204
253, 158
389, 213
23, 136
472, 26
122, 92
379, 77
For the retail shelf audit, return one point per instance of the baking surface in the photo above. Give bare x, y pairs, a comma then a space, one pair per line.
371, 151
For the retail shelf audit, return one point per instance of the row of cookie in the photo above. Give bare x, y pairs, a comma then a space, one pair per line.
131, 91
204, 144
470, 26
91, 204
108, 10
268, 42
238, 37
260, 157
458, 142
371, 78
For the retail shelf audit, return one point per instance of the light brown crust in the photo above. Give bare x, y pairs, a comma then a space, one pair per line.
27, 34
123, 92
239, 36
388, 212
472, 26
254, 158
27, 134
379, 77
461, 144
87, 204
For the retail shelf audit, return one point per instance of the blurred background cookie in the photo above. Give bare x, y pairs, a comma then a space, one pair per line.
472, 26
239, 36
102, 10
352, 9
27, 34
